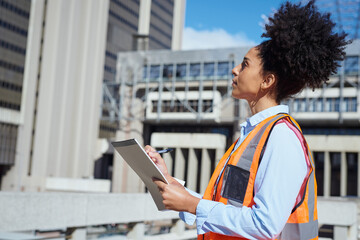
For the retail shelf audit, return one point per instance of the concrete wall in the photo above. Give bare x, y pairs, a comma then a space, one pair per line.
44, 211
336, 144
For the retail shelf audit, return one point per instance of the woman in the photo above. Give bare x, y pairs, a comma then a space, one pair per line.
264, 186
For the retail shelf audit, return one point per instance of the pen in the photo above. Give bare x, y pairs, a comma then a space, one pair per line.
165, 150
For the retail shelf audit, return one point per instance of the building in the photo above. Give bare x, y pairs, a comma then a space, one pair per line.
14, 21
176, 96
55, 55
134, 25
138, 25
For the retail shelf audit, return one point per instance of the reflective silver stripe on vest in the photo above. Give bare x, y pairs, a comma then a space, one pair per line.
311, 195
299, 231
309, 230
248, 154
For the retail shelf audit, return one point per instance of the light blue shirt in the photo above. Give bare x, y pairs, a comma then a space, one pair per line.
277, 184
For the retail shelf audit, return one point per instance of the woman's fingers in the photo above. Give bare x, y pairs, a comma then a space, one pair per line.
161, 185
149, 148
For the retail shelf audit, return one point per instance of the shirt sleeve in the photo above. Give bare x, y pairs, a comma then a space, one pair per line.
277, 184
189, 218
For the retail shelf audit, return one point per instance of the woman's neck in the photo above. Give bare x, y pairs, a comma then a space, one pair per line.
261, 104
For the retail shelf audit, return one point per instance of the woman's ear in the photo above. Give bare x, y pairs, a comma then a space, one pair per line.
269, 81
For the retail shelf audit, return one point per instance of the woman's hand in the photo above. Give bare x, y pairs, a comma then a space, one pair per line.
158, 160
175, 197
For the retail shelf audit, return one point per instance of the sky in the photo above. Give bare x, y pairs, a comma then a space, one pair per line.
225, 23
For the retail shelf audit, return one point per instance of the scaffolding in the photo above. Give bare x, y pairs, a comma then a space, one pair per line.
192, 85
346, 13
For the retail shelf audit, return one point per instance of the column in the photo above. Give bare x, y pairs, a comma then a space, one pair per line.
179, 164
137, 232
178, 24
192, 170
178, 227
218, 155
144, 17
168, 161
358, 175
71, 73
79, 234
144, 25
205, 170
327, 174
343, 175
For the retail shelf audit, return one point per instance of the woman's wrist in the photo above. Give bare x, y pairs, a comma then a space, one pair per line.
169, 178
192, 204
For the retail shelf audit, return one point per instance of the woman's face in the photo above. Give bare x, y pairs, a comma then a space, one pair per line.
248, 77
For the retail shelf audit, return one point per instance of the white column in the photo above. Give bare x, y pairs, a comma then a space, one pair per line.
178, 24
179, 164
218, 155
327, 174
70, 88
340, 232
192, 170
119, 176
343, 175
137, 232
178, 227
46, 137
205, 170
144, 17
358, 175
168, 161
144, 24
79, 234
91, 74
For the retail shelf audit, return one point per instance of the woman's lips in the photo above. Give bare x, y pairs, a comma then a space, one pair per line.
234, 83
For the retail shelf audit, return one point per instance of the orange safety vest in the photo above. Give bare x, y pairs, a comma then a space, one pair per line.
243, 164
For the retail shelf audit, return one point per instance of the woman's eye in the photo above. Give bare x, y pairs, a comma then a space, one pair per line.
243, 65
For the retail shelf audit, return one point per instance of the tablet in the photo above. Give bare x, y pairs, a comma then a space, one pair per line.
136, 157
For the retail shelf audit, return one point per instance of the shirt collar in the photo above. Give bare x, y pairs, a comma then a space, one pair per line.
260, 116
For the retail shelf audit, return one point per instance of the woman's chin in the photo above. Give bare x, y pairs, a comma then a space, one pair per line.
235, 95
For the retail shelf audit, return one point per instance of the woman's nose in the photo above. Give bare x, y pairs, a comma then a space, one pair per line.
235, 70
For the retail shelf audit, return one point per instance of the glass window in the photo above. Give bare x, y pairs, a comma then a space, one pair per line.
328, 105
209, 69
354, 105
155, 71
345, 105
351, 104
302, 105
296, 105
337, 104
319, 105
181, 70
223, 69
352, 65
312, 105
168, 71
195, 69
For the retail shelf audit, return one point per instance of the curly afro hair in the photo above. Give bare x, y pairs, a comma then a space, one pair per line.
302, 49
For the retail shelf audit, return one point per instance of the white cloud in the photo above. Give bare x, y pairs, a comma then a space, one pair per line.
216, 38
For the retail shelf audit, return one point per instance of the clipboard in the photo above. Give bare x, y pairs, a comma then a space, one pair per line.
136, 157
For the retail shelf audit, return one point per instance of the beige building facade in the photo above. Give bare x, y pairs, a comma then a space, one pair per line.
51, 139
